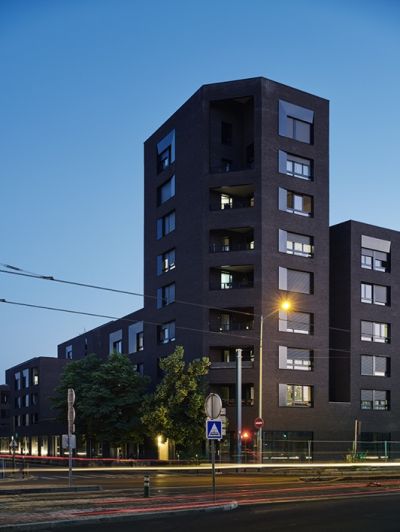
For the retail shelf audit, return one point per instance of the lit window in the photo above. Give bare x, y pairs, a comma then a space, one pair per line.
376, 294
295, 358
375, 400
375, 332
375, 254
295, 166
296, 244
295, 395
295, 202
166, 262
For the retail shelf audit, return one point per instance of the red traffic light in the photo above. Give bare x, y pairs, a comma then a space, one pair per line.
246, 435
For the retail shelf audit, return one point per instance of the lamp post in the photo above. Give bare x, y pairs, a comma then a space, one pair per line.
239, 405
285, 305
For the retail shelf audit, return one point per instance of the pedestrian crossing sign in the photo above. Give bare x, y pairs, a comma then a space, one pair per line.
214, 429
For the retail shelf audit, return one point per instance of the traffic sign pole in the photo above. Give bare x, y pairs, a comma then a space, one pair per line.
213, 467
71, 429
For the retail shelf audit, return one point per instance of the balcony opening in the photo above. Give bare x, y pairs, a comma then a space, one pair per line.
231, 277
232, 134
224, 357
234, 197
233, 239
232, 319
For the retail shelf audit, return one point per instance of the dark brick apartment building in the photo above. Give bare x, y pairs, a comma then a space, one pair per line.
236, 224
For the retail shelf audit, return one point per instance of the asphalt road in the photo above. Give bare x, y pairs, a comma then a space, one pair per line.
366, 514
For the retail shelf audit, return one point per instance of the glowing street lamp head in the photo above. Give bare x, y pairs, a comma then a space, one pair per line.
285, 305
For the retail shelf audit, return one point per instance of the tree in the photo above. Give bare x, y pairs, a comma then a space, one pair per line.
176, 409
109, 394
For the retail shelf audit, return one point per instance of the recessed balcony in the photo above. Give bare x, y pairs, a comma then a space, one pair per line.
231, 277
233, 239
232, 319
233, 197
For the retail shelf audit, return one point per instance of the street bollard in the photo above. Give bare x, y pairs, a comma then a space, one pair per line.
146, 486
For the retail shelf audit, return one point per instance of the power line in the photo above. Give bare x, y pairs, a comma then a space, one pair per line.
24, 273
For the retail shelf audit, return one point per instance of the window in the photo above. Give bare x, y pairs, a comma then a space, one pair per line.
226, 133
372, 331
35, 376
25, 378
295, 358
35, 399
295, 202
165, 225
140, 341
135, 337
68, 352
295, 281
139, 368
166, 262
376, 294
295, 395
375, 254
166, 191
295, 166
117, 346
227, 392
34, 418
375, 400
296, 244
17, 381
295, 122
166, 332
226, 165
115, 342
166, 151
165, 295
25, 401
296, 322
375, 366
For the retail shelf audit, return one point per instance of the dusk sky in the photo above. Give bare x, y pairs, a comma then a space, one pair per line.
85, 82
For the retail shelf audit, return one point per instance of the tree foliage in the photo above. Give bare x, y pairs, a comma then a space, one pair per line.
176, 409
109, 394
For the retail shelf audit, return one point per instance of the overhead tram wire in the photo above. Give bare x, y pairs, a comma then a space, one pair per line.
24, 273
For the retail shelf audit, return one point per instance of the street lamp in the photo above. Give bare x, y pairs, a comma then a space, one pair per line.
284, 305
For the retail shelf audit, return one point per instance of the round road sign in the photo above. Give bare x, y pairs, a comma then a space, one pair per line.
259, 422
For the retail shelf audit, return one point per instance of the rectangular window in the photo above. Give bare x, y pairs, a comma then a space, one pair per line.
296, 122
135, 337
376, 294
375, 253
68, 352
165, 295
295, 202
226, 133
117, 346
296, 244
166, 191
295, 395
165, 225
372, 331
115, 342
25, 378
296, 322
295, 358
295, 281
166, 262
375, 400
295, 166
166, 151
140, 341
17, 381
166, 332
375, 366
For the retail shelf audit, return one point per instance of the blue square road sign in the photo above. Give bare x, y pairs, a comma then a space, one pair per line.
214, 429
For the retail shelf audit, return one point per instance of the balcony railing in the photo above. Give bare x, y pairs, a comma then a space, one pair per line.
216, 326
239, 246
242, 204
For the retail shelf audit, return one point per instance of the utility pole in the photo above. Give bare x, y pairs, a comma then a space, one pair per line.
260, 393
71, 430
239, 405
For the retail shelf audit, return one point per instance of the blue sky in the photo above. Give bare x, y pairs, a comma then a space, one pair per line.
84, 82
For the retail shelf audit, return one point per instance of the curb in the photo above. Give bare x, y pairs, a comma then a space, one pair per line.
50, 525
24, 491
